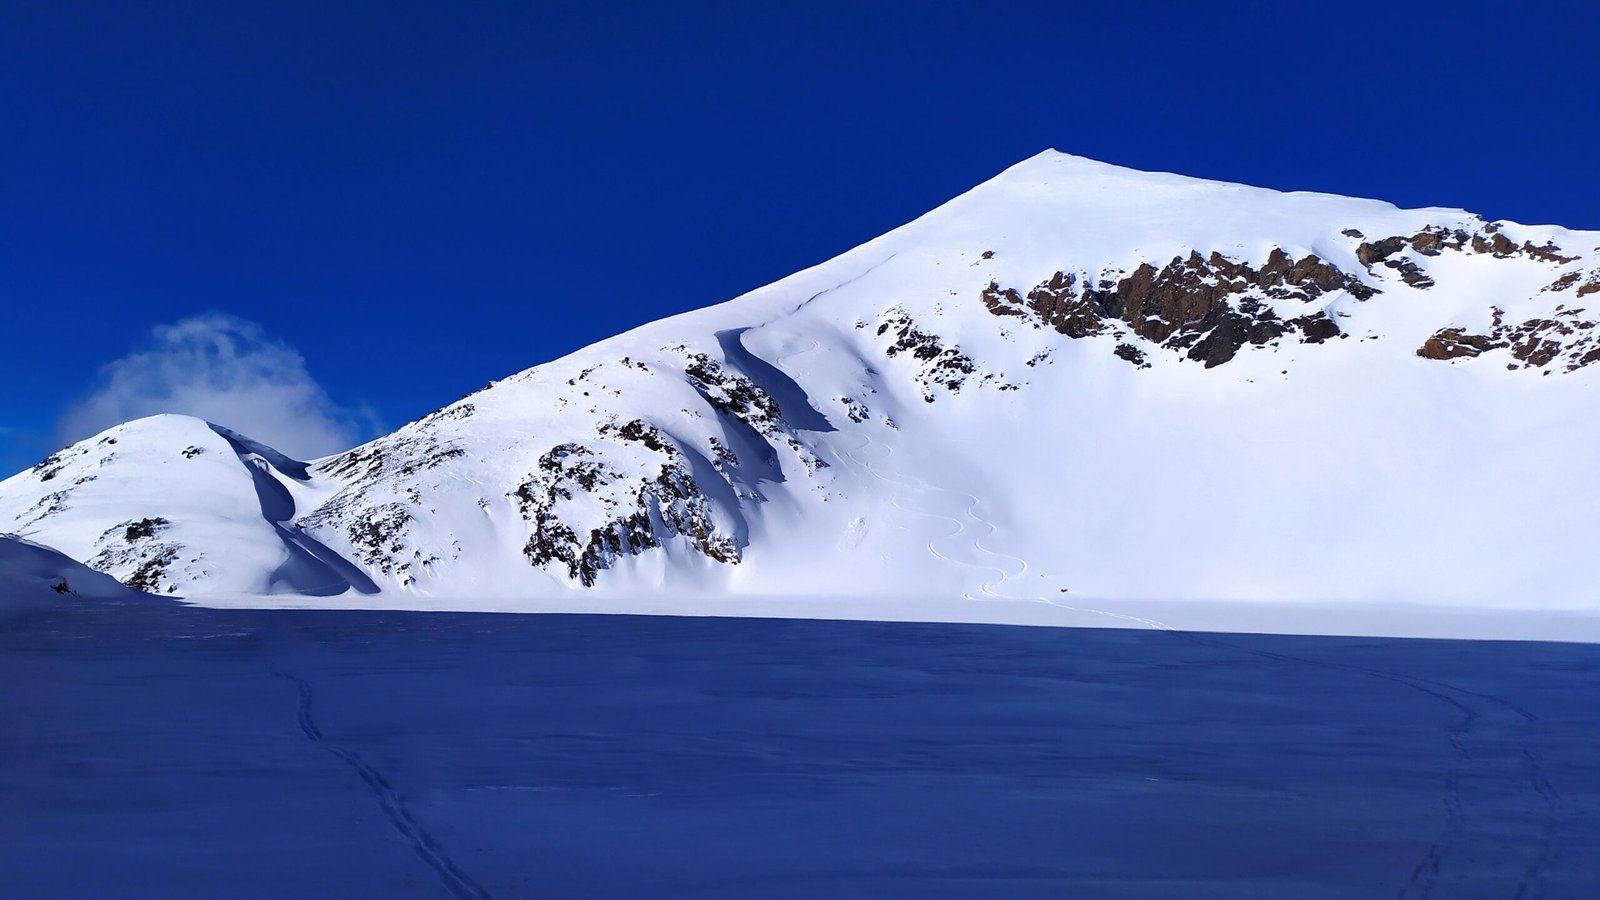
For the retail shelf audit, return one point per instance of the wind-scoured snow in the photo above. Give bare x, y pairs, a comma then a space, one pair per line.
1077, 391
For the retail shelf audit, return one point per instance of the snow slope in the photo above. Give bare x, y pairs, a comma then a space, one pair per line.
1074, 384
37, 578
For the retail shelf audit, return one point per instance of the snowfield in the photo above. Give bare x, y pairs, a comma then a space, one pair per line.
157, 751
1077, 394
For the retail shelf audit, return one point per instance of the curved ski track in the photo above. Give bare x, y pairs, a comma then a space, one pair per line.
391, 801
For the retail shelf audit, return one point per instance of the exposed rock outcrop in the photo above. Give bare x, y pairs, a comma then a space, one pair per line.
136, 548
1565, 337
373, 517
939, 366
1434, 240
747, 403
1057, 303
1206, 307
636, 519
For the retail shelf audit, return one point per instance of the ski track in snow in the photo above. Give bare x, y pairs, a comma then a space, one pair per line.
782, 358
390, 800
924, 488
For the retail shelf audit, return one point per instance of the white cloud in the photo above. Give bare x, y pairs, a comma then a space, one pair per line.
228, 371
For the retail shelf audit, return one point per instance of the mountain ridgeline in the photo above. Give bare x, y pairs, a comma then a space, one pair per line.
1074, 380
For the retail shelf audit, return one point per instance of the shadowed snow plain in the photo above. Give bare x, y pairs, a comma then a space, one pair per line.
158, 750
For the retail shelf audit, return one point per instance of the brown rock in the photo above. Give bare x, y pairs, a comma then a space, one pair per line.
1450, 343
1374, 251
1548, 252
1206, 306
1499, 245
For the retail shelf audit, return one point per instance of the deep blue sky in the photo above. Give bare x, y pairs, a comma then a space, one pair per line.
419, 198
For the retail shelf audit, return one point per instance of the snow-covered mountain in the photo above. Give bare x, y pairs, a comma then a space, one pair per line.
1075, 380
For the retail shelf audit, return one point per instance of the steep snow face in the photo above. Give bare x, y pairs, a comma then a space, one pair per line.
1073, 381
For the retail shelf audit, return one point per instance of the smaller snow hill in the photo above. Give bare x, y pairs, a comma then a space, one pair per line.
1074, 384
172, 505
36, 577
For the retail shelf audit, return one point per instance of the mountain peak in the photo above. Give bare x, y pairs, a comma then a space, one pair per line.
1075, 378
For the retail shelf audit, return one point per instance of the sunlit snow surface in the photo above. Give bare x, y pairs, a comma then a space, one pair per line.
835, 454
155, 750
